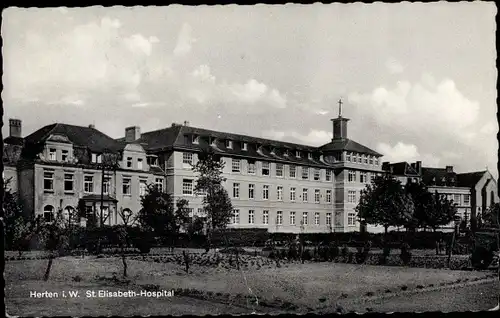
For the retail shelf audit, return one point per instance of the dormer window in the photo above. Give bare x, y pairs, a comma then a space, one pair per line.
52, 154
129, 162
310, 156
229, 144
285, 153
152, 161
244, 146
94, 158
195, 139
139, 163
297, 154
213, 141
99, 158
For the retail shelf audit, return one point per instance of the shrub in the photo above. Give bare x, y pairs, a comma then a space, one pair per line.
345, 251
481, 257
306, 255
405, 254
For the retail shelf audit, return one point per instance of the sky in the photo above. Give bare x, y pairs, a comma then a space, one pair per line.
418, 81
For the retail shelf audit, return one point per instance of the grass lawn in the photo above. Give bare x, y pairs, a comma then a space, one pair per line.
315, 285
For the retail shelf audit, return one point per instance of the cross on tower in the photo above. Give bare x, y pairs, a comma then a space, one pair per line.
340, 107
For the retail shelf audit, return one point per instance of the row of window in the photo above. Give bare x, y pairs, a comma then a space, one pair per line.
236, 167
253, 218
188, 185
364, 159
364, 177
53, 154
457, 198
88, 183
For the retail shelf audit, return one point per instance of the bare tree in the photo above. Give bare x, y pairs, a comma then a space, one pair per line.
128, 220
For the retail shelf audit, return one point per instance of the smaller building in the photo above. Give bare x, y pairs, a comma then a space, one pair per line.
403, 171
483, 187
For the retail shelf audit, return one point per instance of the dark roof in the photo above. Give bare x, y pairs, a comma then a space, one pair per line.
348, 145
97, 197
88, 137
403, 169
18, 141
470, 179
438, 177
173, 137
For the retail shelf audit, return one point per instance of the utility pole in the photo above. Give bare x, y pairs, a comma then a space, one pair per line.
102, 189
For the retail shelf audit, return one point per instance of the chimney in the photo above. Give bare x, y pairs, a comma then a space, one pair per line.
132, 133
92, 126
15, 128
449, 169
418, 167
186, 123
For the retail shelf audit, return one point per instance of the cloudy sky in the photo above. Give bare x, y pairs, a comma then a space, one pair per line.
418, 80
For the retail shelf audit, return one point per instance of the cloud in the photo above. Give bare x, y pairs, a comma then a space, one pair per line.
184, 41
406, 152
440, 108
312, 138
394, 66
489, 128
86, 58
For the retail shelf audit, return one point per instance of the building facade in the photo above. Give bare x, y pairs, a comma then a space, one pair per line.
61, 167
483, 188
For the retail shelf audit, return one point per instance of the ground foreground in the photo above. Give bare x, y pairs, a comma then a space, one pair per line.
319, 287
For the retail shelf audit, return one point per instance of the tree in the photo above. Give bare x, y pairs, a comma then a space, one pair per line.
441, 212
159, 215
384, 202
216, 201
122, 231
18, 229
422, 201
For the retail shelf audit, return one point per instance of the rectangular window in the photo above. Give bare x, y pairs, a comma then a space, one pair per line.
317, 174
93, 158
106, 186
265, 168
236, 165
65, 155
466, 199
265, 192
371, 160
201, 212
279, 193
292, 218
305, 173
236, 190
360, 160
316, 195
52, 154
159, 184
99, 158
265, 217
365, 160
251, 191
348, 157
293, 170
328, 196
304, 195
187, 159
456, 199
88, 184
328, 218
279, 218
352, 176
187, 187
236, 216
244, 146
142, 187
297, 154
68, 182
305, 218
351, 219
316, 218
351, 196
251, 216
328, 175
279, 170
292, 194
129, 162
229, 144
376, 162
139, 164
126, 186
363, 177
251, 167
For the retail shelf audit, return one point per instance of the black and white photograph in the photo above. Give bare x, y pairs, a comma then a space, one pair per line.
250, 159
